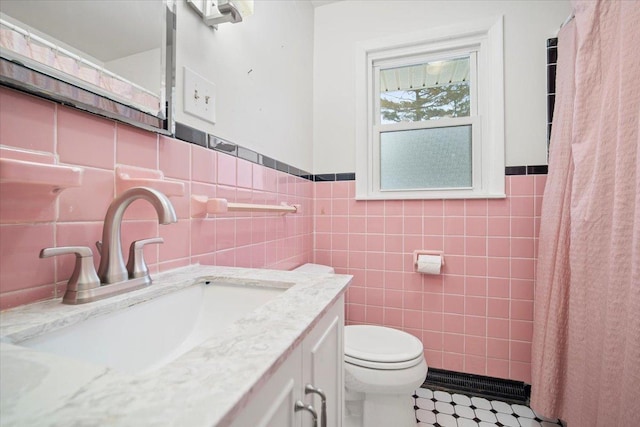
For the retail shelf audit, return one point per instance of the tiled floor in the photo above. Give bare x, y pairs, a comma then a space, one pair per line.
442, 409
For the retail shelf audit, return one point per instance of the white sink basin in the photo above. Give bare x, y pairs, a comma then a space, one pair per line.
151, 334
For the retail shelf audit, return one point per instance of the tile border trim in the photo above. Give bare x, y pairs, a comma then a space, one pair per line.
212, 142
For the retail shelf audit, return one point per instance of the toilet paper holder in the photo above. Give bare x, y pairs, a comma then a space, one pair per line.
417, 253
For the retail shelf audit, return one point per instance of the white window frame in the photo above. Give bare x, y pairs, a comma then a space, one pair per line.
484, 42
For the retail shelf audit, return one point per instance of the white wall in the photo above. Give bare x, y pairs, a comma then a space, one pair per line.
339, 26
263, 70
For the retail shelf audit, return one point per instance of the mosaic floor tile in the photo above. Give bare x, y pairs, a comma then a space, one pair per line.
442, 409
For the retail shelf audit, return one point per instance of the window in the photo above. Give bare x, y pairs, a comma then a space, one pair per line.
430, 116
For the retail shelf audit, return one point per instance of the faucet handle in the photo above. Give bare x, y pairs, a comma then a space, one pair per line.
84, 274
136, 266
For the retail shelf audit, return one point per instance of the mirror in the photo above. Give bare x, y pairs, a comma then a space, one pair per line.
111, 57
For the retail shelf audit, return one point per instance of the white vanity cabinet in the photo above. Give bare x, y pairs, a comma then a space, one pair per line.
318, 361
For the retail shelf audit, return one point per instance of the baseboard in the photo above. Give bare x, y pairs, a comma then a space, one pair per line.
478, 385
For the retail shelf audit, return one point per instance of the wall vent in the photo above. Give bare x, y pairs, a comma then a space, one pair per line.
478, 385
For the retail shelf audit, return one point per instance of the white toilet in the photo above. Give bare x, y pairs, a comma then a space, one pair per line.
383, 366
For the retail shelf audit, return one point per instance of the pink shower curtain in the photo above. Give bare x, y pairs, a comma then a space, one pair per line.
586, 343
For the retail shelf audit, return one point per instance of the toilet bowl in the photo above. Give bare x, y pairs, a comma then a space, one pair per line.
383, 367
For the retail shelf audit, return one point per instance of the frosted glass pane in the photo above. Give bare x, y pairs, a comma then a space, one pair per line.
426, 158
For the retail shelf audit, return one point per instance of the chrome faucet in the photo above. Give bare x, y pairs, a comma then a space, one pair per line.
112, 268
113, 276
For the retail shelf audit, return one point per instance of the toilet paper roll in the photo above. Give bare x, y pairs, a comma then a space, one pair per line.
429, 264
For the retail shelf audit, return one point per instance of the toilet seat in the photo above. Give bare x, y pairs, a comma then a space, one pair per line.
378, 347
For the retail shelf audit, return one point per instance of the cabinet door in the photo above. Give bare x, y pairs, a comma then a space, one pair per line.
273, 404
322, 361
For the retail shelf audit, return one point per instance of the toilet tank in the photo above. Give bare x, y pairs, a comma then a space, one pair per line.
315, 268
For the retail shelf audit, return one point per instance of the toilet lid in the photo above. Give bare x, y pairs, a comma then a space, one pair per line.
378, 344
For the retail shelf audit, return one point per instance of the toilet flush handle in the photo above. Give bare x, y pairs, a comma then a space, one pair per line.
300, 406
323, 398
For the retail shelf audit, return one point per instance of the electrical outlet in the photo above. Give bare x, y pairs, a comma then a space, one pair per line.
199, 96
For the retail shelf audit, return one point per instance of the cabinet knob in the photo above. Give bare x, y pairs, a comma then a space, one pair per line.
300, 406
323, 398
84, 274
136, 266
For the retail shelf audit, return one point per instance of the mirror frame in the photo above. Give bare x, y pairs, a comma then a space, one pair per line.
74, 93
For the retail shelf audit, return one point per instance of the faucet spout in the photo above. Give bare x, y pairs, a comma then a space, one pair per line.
112, 267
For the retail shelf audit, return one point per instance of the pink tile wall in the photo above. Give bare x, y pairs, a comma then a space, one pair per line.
99, 145
475, 317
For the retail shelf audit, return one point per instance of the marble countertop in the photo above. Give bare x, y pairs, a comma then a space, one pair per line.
207, 386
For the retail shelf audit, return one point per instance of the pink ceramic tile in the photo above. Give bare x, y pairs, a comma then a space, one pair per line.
433, 208
521, 330
497, 348
375, 242
522, 227
454, 265
339, 241
498, 227
475, 345
522, 248
453, 285
78, 234
521, 351
323, 190
375, 208
522, 206
84, 139
393, 280
203, 236
375, 224
356, 313
432, 321
433, 302
520, 371
451, 362
432, 340
20, 265
522, 289
176, 244
243, 231
340, 259
476, 246
476, 266
498, 267
522, 310
340, 207
357, 260
475, 364
413, 207
27, 296
453, 323
22, 204
393, 208
453, 343
433, 225
203, 164
90, 201
522, 268
498, 368
226, 169
433, 243
374, 315
341, 189
27, 122
357, 242
476, 207
454, 208
498, 308
357, 207
453, 226
476, 286
413, 225
499, 207
476, 226
475, 306
412, 300
393, 298
499, 246
357, 224
136, 147
174, 158
138, 230
521, 185
498, 287
475, 326
453, 245
244, 173
498, 328
374, 297
393, 225
454, 304
394, 243
539, 184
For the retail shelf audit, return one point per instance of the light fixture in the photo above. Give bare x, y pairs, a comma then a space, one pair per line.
214, 12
